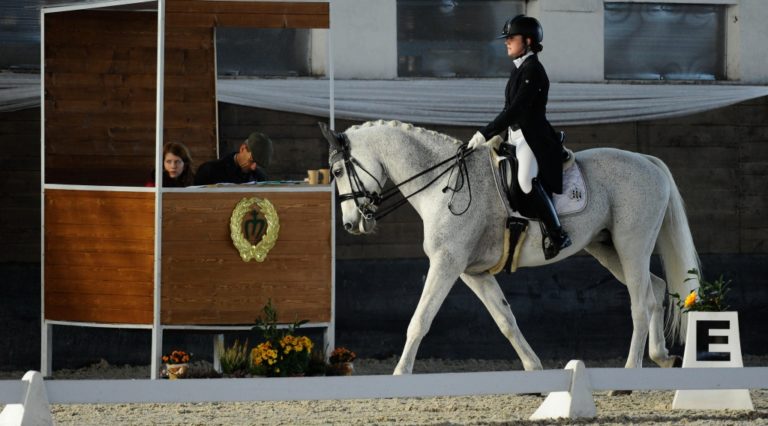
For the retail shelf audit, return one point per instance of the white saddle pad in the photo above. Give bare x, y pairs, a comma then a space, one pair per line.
574, 196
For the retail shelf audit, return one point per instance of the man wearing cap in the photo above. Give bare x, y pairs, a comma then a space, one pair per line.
245, 165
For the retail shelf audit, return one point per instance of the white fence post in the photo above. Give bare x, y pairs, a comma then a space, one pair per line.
574, 403
33, 408
712, 340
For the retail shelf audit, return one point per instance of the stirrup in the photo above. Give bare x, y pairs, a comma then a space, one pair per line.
552, 248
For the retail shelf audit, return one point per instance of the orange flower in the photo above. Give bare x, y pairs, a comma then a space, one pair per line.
690, 300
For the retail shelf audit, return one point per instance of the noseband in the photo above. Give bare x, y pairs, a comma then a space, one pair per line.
369, 209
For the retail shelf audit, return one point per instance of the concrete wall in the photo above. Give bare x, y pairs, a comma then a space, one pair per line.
573, 38
365, 38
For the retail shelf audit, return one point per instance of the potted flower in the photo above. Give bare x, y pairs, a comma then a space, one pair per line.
289, 357
283, 353
234, 359
176, 364
341, 362
709, 297
705, 306
711, 340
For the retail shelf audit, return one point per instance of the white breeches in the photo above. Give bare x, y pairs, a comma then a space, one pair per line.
527, 167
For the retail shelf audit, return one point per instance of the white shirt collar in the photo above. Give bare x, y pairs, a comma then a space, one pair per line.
519, 61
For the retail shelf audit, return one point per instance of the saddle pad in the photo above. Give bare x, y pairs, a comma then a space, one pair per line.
574, 196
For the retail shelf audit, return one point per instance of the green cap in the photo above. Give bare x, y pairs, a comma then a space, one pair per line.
260, 147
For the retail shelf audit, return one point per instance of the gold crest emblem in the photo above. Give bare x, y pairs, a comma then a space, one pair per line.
254, 226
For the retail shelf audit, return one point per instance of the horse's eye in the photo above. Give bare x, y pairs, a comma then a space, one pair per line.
338, 172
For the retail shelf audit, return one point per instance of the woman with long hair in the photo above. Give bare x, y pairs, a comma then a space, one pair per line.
177, 167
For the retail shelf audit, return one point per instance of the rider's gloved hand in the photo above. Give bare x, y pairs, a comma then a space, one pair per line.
477, 140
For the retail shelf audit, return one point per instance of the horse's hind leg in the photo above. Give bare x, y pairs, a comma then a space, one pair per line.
440, 279
657, 349
487, 289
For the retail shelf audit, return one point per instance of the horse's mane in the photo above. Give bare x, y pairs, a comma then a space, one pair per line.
407, 127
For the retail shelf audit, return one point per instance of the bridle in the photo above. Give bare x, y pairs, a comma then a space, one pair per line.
370, 207
372, 199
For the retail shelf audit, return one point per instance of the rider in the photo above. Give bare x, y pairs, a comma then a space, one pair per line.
538, 148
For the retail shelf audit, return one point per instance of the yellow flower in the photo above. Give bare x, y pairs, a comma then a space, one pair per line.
690, 300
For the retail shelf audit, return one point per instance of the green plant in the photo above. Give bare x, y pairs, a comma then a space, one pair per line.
268, 325
283, 352
234, 359
709, 297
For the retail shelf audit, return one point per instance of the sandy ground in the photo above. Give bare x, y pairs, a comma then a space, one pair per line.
637, 408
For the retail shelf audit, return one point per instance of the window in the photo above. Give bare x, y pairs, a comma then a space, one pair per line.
453, 38
263, 52
656, 41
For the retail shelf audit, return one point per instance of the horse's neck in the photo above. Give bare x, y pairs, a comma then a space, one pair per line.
411, 154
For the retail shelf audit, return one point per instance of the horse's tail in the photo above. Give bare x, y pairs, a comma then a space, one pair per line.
678, 254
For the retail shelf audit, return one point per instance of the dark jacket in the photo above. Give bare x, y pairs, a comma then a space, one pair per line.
168, 181
225, 170
525, 107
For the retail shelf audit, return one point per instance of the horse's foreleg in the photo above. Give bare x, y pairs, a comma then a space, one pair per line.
487, 289
440, 280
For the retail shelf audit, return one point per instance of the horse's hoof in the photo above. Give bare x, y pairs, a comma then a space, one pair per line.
677, 362
620, 393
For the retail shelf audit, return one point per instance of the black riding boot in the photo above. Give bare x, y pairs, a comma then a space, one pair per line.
555, 238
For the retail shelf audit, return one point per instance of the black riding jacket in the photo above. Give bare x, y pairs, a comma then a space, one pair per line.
525, 107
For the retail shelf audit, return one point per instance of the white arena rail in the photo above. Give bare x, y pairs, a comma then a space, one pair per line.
570, 389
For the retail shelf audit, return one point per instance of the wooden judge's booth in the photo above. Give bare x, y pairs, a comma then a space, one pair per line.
121, 78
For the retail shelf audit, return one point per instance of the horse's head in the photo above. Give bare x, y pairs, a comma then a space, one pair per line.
359, 181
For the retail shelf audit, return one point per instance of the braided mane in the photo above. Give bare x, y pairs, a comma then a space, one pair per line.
408, 127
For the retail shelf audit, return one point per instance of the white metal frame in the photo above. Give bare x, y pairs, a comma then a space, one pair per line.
46, 357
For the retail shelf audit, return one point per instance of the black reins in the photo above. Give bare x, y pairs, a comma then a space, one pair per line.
370, 208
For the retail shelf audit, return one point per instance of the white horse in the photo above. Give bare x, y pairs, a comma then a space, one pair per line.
634, 206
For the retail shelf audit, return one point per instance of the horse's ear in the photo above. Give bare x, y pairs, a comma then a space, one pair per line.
332, 138
329, 134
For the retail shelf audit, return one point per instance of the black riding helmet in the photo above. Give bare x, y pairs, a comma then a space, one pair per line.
525, 26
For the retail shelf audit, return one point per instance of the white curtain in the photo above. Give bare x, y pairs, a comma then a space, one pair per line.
19, 91
460, 102
474, 102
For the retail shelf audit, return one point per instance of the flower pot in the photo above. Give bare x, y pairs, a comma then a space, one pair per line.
176, 371
341, 369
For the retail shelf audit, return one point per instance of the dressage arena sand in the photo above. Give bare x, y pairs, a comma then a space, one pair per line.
637, 408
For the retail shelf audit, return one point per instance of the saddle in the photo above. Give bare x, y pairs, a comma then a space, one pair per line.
504, 164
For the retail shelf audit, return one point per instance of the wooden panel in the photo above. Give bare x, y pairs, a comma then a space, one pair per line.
190, 88
249, 7
99, 256
99, 97
206, 282
249, 20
